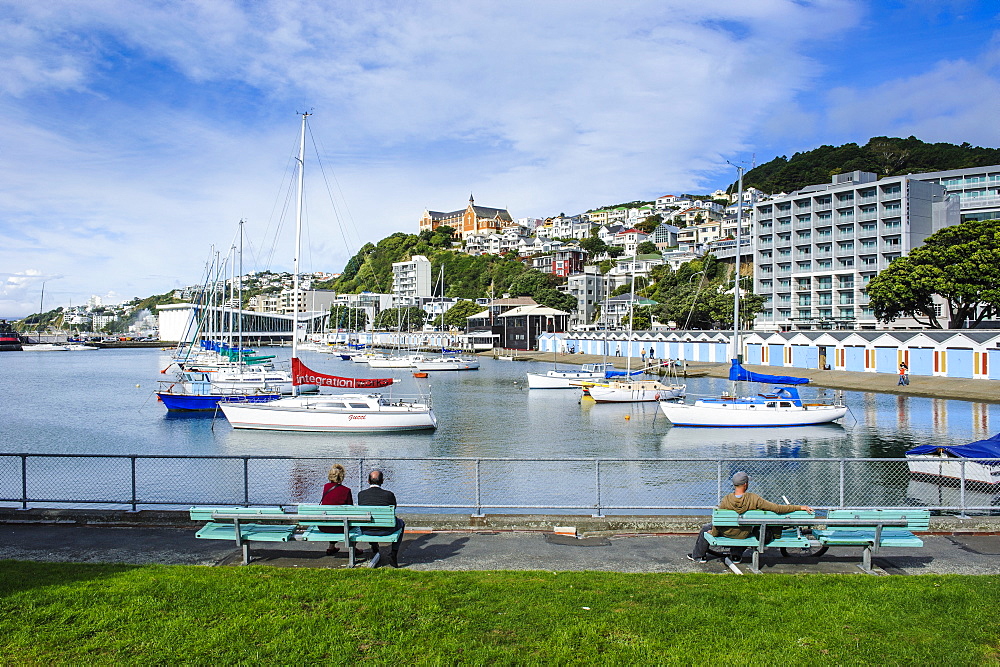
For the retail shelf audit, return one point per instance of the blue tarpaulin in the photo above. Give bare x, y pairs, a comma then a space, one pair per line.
739, 374
980, 449
618, 374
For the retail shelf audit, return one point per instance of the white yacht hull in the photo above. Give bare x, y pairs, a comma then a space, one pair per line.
635, 392
561, 379
324, 413
950, 468
748, 414
446, 364
391, 362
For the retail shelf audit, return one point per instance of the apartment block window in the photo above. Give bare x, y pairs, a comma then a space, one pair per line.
825, 313
804, 235
805, 313
824, 264
894, 241
804, 266
846, 299
893, 223
784, 282
826, 216
891, 189
784, 298
868, 244
802, 283
846, 282
869, 261
868, 227
846, 312
824, 282
824, 299
805, 300
892, 207
784, 313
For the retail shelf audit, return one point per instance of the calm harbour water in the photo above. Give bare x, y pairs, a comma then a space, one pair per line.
102, 402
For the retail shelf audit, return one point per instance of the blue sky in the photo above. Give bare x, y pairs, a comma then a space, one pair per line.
135, 135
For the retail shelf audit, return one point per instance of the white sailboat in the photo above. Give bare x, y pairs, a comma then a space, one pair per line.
348, 412
782, 407
627, 388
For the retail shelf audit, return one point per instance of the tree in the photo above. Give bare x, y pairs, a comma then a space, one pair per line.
960, 264
552, 298
647, 248
344, 317
457, 316
408, 318
650, 223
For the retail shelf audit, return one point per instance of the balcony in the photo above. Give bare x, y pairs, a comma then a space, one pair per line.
867, 215
825, 206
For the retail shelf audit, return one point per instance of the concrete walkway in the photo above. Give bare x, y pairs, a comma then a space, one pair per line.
424, 549
985, 391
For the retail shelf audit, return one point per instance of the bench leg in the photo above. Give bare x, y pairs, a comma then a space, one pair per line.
246, 553
866, 560
755, 562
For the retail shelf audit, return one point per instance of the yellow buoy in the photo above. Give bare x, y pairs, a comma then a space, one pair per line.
627, 417
137, 386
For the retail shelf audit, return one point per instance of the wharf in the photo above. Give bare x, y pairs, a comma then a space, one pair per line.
962, 389
639, 544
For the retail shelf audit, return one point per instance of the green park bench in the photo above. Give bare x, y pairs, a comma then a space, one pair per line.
791, 535
873, 529
273, 524
350, 519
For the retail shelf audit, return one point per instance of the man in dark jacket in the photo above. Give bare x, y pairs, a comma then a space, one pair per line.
741, 501
376, 495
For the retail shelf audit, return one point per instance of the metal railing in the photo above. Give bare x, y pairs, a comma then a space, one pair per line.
478, 484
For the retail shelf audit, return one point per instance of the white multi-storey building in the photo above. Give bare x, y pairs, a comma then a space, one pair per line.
977, 190
589, 287
816, 249
411, 281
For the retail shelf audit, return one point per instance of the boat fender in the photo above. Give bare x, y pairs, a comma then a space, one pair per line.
656, 397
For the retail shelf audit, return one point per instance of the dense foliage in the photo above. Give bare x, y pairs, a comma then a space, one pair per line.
960, 264
465, 276
408, 318
352, 319
699, 295
885, 156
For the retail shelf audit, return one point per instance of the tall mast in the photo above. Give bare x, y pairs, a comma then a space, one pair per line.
736, 287
298, 247
239, 306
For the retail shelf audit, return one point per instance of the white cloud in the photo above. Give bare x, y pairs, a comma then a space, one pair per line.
956, 101
141, 132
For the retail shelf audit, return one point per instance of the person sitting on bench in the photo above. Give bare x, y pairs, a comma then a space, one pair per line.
335, 493
376, 495
741, 501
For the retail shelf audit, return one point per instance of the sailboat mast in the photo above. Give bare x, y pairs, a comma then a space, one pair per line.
736, 285
239, 307
298, 248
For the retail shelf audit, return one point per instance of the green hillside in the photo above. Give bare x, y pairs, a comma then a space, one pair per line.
465, 276
885, 156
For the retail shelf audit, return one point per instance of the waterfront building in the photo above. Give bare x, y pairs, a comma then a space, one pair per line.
284, 302
816, 249
411, 281
976, 188
625, 268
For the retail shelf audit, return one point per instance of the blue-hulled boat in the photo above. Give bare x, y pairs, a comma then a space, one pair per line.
193, 391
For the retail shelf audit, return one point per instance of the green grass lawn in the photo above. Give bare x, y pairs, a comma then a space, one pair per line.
75, 614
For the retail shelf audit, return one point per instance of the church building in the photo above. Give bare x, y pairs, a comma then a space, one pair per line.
467, 221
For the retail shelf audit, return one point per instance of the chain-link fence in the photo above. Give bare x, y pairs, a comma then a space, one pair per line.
478, 485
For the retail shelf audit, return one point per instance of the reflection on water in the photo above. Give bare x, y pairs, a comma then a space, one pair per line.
91, 404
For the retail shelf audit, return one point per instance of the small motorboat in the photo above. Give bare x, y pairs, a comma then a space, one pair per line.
980, 460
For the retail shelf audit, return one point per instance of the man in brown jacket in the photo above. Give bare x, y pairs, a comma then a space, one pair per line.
741, 501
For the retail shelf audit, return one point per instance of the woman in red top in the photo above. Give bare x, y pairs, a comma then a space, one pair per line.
335, 493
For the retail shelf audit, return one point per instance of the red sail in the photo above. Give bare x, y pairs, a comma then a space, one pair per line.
303, 375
